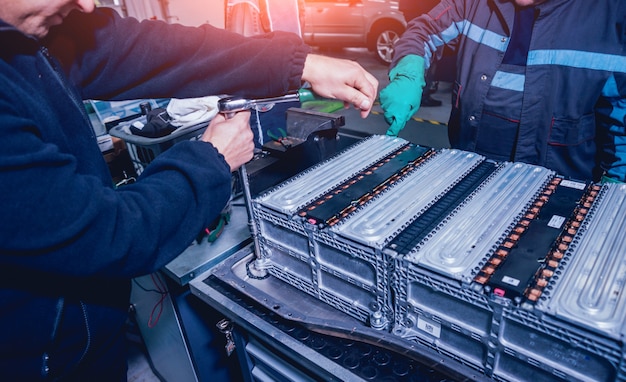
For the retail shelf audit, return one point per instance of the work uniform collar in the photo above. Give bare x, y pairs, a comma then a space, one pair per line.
506, 9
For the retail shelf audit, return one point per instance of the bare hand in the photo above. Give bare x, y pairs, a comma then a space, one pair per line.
341, 79
232, 137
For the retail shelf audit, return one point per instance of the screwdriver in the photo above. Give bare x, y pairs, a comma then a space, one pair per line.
231, 105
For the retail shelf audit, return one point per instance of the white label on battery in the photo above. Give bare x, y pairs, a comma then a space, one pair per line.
510, 280
556, 221
428, 326
572, 184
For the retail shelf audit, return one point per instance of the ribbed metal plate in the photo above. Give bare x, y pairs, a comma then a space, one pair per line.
311, 184
591, 290
381, 219
472, 232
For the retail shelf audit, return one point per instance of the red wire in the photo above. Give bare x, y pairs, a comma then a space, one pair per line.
161, 288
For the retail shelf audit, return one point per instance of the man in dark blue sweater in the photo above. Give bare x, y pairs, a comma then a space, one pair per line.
69, 242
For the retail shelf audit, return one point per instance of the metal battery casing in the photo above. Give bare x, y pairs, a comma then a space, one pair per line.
344, 273
426, 294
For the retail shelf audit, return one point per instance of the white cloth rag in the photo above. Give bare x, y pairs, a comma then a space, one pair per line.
192, 111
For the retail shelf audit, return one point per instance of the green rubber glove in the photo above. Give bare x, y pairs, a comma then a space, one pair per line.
402, 97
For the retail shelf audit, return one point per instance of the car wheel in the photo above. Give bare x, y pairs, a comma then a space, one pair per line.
384, 39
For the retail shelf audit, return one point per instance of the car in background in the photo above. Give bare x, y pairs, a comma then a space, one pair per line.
374, 24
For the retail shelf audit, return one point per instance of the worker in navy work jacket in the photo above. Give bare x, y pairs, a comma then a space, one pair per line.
69, 242
541, 82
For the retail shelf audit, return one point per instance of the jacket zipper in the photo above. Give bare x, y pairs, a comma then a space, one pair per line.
68, 90
60, 305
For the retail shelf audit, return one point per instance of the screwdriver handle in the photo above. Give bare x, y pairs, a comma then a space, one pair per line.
305, 94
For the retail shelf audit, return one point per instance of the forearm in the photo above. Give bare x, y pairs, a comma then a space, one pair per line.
55, 217
427, 34
614, 150
152, 59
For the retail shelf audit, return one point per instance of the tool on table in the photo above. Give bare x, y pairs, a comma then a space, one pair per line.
281, 138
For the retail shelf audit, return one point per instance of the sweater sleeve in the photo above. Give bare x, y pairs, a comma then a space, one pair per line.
611, 120
426, 35
110, 57
59, 220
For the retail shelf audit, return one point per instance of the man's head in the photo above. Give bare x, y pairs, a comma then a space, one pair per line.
35, 17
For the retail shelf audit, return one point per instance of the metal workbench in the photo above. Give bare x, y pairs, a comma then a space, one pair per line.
281, 333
